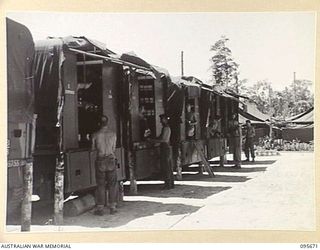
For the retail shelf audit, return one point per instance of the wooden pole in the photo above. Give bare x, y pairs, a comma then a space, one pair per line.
223, 153
182, 70
178, 163
121, 192
200, 166
26, 206
237, 84
223, 158
294, 87
270, 130
133, 181
58, 194
131, 155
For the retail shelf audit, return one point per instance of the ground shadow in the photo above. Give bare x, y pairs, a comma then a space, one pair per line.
130, 211
267, 162
246, 168
180, 191
238, 170
41, 214
216, 178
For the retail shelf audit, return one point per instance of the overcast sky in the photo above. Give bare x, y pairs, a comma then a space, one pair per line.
266, 45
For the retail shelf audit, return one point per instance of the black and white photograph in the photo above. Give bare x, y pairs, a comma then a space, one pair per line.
141, 121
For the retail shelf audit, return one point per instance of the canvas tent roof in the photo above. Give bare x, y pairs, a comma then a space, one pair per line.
250, 112
306, 117
299, 126
243, 117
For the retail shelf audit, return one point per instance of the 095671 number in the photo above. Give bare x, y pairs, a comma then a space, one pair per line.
308, 246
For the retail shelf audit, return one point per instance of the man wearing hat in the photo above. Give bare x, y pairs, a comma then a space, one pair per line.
165, 152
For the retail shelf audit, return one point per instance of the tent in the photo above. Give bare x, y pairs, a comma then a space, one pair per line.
260, 121
300, 127
250, 112
306, 117
302, 133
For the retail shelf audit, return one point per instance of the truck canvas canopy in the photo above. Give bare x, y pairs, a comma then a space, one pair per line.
49, 60
20, 72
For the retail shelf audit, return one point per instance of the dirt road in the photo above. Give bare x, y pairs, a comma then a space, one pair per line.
275, 192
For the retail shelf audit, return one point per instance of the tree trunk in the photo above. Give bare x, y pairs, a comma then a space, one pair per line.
223, 157
178, 163
121, 191
26, 206
58, 194
200, 166
270, 131
133, 182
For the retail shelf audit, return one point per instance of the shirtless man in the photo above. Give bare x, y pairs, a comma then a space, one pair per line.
104, 141
214, 128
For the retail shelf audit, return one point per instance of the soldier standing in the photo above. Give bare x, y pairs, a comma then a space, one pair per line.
249, 136
104, 141
235, 132
165, 152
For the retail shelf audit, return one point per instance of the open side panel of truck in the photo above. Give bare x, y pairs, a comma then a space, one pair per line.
146, 106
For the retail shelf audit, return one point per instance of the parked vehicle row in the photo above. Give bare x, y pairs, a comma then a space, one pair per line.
76, 80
